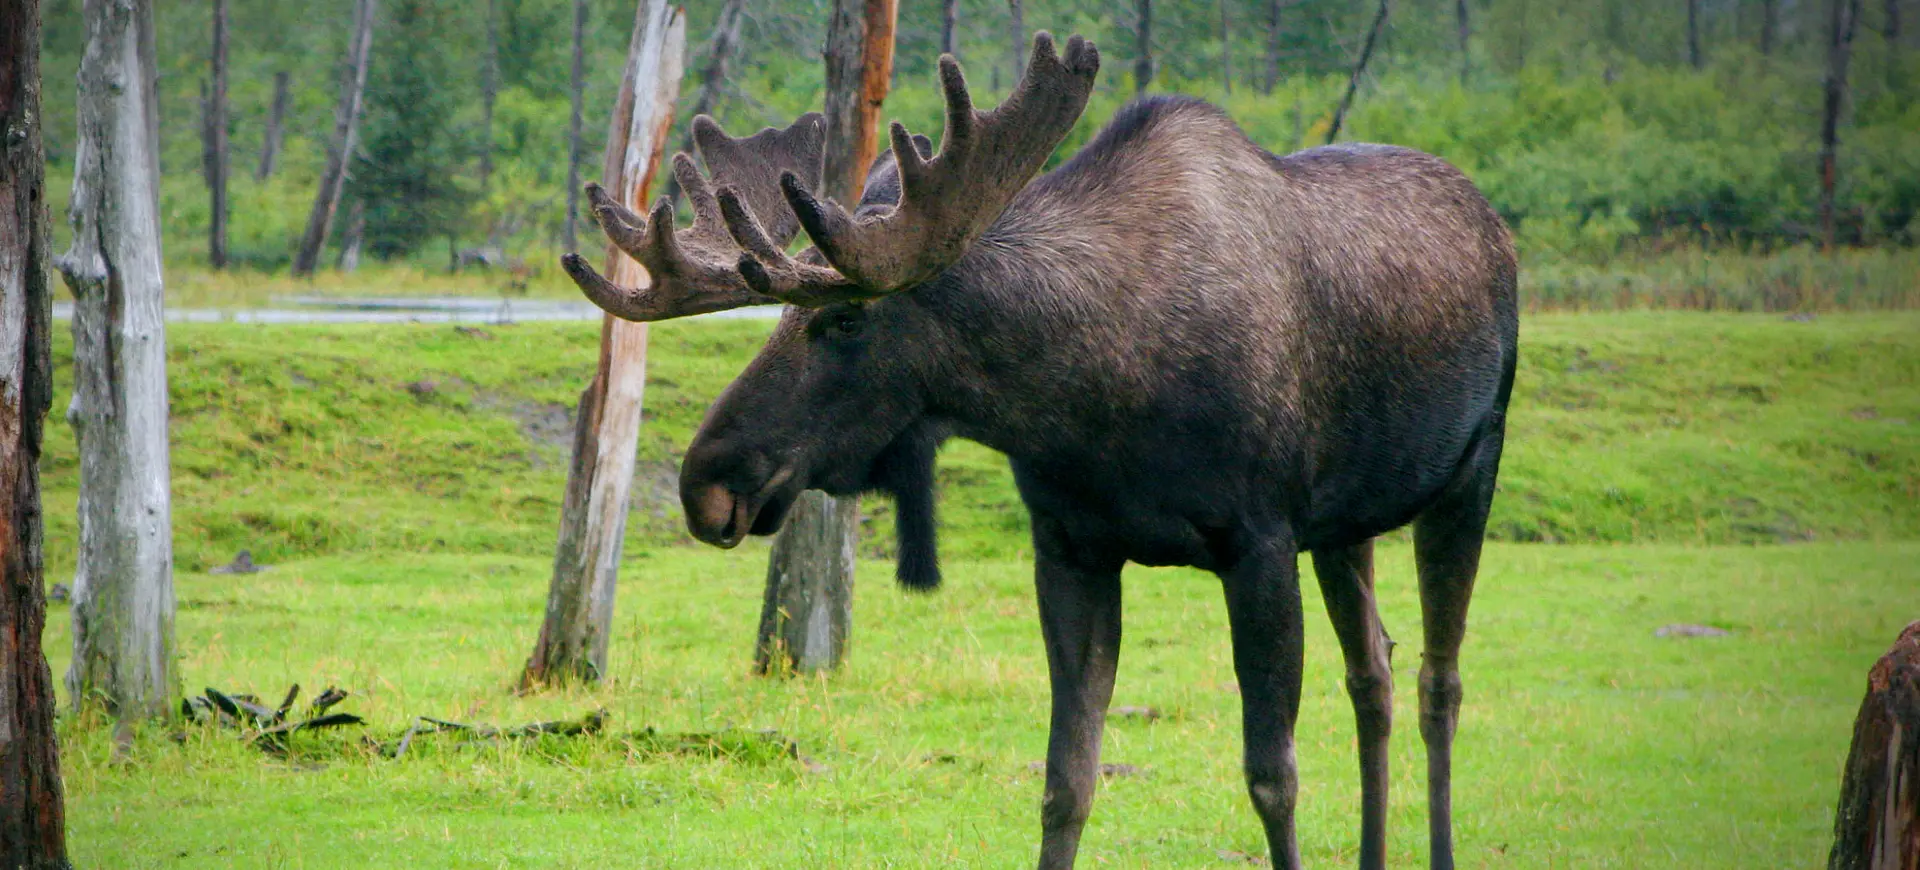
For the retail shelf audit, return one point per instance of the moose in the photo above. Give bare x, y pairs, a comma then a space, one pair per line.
1192, 351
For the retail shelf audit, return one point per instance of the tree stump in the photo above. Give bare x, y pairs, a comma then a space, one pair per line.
1877, 825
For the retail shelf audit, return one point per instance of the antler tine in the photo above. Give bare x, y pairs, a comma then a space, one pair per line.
947, 201
696, 271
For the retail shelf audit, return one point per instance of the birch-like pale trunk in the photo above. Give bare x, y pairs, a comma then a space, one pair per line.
33, 813
806, 615
593, 517
123, 587
346, 127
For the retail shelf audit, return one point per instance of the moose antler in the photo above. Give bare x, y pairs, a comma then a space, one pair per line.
946, 201
696, 271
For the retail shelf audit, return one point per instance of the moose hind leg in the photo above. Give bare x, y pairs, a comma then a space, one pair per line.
1080, 621
1346, 583
1263, 608
1447, 540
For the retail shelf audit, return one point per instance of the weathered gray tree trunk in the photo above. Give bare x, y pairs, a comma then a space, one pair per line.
346, 125
276, 129
721, 49
1226, 48
1843, 16
123, 588
215, 156
949, 27
593, 517
32, 813
1877, 823
1142, 45
807, 613
570, 233
489, 91
1359, 70
1017, 28
1463, 25
355, 233
1273, 45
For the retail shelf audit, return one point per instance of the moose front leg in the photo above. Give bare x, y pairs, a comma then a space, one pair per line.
1263, 608
1080, 620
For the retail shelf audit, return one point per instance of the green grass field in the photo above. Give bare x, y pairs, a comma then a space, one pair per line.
1746, 472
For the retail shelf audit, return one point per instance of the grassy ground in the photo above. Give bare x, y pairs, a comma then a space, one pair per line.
405, 482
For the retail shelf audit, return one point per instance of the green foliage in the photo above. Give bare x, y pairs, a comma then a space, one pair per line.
406, 176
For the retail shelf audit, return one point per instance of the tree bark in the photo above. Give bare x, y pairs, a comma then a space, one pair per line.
346, 123
1226, 48
808, 612
949, 27
216, 142
721, 49
1142, 45
1359, 69
355, 233
593, 517
1842, 17
489, 91
1463, 25
32, 816
1694, 57
1877, 823
576, 148
123, 588
1273, 45
276, 125
1017, 28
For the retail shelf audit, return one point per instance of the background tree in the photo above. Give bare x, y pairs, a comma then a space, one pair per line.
1842, 17
216, 141
123, 586
276, 128
1359, 70
32, 817
404, 176
1142, 45
346, 125
576, 150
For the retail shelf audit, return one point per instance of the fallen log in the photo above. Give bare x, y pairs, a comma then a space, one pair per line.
1877, 823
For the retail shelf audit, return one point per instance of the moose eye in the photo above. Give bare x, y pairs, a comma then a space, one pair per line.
845, 324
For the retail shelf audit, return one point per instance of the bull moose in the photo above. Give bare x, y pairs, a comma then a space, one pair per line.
1192, 351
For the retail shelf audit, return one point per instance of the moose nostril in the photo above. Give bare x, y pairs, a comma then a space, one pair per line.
712, 510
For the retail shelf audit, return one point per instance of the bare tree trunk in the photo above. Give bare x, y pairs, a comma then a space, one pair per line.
721, 48
489, 91
355, 233
32, 817
1273, 45
1464, 26
575, 146
1877, 823
808, 608
1769, 26
276, 126
1694, 58
949, 24
1226, 48
216, 142
1359, 69
123, 588
346, 124
1142, 45
1842, 17
1017, 28
593, 518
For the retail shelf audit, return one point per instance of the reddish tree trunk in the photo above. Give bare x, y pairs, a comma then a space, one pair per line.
32, 814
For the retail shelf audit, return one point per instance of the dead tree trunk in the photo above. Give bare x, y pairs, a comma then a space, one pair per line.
569, 235
346, 124
276, 121
216, 142
1843, 15
1359, 70
949, 27
32, 817
1877, 823
489, 91
1226, 48
123, 588
807, 613
1695, 58
1463, 25
1273, 45
593, 516
721, 49
1017, 29
1142, 45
